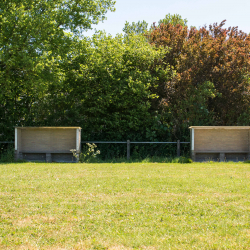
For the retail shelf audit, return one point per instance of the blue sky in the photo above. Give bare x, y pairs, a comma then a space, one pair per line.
197, 12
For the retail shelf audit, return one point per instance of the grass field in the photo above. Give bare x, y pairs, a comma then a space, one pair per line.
125, 206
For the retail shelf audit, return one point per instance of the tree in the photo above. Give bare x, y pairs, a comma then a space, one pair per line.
140, 27
35, 36
173, 19
107, 87
215, 55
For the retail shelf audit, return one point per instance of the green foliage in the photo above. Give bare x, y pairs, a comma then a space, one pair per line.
141, 27
7, 155
106, 89
89, 155
173, 20
33, 40
193, 109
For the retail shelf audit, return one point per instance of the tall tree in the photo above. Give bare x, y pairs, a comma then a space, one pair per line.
212, 61
33, 39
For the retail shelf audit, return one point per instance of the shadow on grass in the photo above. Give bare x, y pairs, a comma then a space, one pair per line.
116, 160
154, 159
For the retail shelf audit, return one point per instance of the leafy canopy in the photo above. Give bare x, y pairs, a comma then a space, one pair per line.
215, 55
35, 36
173, 19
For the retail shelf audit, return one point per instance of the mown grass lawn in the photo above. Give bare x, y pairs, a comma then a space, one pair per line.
125, 206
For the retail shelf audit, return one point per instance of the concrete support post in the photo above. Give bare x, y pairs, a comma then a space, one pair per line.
222, 157
48, 157
16, 155
20, 156
192, 145
193, 156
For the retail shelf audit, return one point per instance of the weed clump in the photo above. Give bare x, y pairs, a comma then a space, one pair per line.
7, 155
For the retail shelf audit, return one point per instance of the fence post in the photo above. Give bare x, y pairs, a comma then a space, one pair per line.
128, 149
178, 148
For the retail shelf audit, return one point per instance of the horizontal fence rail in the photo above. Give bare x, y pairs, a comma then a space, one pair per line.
124, 142
128, 142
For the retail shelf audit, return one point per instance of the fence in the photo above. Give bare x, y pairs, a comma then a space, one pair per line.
128, 142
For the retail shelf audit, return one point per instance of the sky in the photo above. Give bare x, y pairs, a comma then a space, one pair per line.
197, 12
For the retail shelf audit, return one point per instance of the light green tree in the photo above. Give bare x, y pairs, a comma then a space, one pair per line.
137, 28
173, 19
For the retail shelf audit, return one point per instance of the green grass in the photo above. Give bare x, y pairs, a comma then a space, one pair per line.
125, 206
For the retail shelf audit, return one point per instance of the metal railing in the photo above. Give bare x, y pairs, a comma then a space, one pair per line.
128, 142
